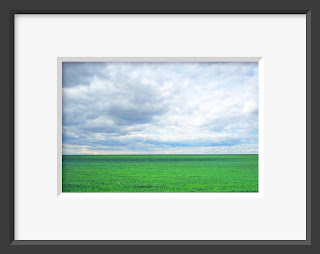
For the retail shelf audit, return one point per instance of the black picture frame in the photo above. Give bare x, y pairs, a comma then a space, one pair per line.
61, 7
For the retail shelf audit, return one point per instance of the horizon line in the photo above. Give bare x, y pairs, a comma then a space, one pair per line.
173, 154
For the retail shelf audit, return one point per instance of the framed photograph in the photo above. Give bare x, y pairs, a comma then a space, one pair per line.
160, 127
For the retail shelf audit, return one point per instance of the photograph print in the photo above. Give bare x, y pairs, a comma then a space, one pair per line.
168, 127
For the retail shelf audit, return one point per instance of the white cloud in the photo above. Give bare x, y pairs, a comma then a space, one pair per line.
116, 108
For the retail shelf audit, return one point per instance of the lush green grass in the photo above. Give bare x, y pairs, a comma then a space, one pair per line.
160, 173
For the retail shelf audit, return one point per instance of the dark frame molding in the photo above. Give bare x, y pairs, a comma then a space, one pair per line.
160, 242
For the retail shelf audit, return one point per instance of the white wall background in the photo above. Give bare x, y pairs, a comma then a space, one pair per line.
280, 214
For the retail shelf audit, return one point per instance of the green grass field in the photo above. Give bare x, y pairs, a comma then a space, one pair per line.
160, 173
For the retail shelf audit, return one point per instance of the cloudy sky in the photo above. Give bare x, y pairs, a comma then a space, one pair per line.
160, 108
